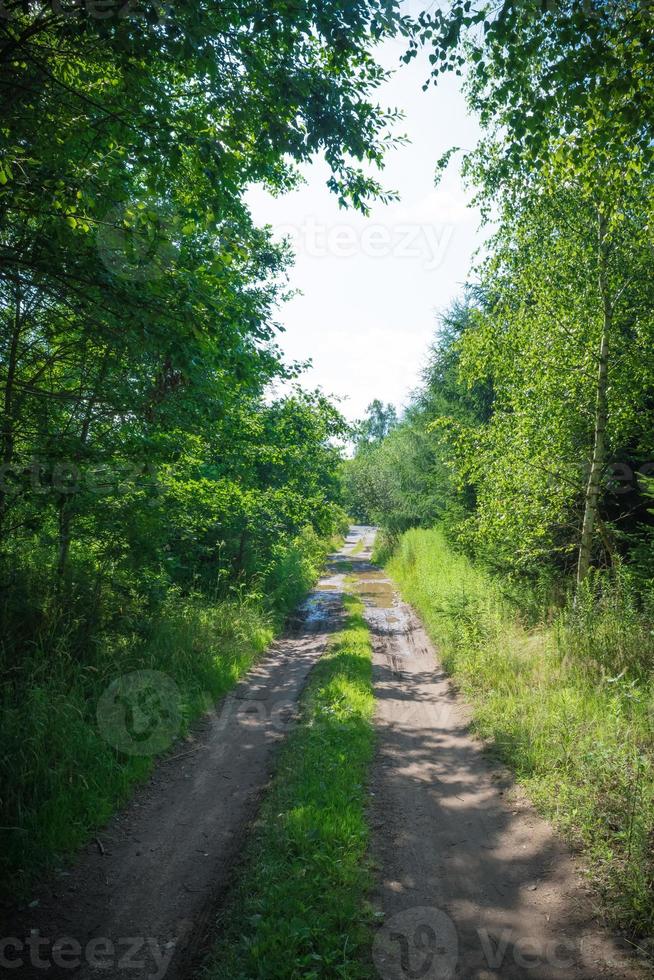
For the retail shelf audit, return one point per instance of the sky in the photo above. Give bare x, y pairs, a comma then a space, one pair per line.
372, 287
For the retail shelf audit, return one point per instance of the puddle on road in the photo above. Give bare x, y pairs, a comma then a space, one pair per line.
376, 594
376, 590
385, 615
322, 603
372, 586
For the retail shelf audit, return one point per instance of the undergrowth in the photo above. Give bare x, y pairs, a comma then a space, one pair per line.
299, 907
568, 704
60, 777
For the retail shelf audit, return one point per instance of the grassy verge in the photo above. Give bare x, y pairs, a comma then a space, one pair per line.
568, 705
60, 776
299, 909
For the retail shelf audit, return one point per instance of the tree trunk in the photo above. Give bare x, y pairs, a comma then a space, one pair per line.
240, 558
63, 547
598, 457
65, 506
7, 452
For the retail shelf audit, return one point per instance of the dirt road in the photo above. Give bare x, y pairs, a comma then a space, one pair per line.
137, 902
472, 883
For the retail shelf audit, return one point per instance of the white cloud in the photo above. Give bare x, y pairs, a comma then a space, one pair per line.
367, 310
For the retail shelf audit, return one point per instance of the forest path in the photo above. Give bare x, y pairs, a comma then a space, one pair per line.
138, 901
473, 884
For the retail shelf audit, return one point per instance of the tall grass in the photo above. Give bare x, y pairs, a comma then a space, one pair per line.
568, 704
60, 779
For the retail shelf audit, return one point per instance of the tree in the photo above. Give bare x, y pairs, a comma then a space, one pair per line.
565, 98
569, 79
379, 420
518, 441
137, 298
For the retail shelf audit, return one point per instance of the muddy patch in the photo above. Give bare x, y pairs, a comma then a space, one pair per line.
375, 590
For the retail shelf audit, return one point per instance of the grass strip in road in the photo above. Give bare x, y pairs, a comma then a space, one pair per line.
299, 908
